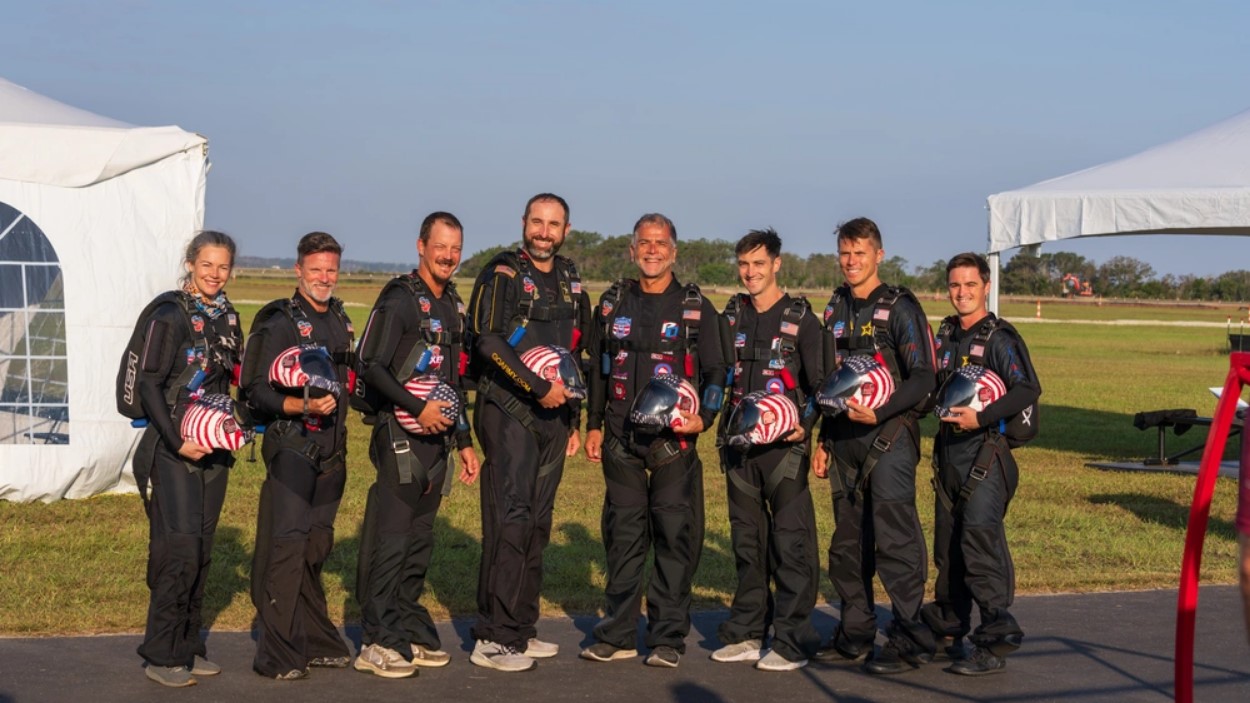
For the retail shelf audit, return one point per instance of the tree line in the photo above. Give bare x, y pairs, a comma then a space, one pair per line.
711, 262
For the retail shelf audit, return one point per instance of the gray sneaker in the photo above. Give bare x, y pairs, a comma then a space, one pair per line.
204, 667
172, 676
387, 663
775, 662
500, 657
432, 658
604, 652
745, 651
292, 675
330, 662
663, 656
537, 649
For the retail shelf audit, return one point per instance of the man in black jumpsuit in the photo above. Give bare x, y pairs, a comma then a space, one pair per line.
777, 347
970, 542
305, 453
527, 426
871, 455
416, 329
654, 481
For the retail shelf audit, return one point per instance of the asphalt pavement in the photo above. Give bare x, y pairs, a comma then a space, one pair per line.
1080, 647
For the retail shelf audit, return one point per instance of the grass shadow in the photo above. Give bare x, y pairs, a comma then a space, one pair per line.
229, 574
1163, 512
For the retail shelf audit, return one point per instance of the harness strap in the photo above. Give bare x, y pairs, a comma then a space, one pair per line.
514, 407
980, 469
880, 445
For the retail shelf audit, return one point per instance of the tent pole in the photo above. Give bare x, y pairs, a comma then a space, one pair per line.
995, 274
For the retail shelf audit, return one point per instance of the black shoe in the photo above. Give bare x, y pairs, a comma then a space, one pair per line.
891, 660
950, 649
663, 656
979, 663
841, 647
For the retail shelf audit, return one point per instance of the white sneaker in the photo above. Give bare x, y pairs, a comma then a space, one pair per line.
387, 663
433, 658
493, 655
775, 662
537, 649
745, 651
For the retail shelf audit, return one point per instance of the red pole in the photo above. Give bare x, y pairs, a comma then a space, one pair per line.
1199, 513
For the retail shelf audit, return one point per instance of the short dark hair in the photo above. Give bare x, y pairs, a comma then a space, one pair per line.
860, 228
207, 238
550, 198
757, 238
428, 223
969, 259
655, 218
317, 243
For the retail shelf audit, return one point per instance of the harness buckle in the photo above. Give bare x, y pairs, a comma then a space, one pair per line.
882, 443
400, 447
979, 473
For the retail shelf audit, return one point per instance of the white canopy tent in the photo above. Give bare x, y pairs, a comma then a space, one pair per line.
94, 214
1198, 184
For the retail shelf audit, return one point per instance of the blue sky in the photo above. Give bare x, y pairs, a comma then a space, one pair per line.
360, 118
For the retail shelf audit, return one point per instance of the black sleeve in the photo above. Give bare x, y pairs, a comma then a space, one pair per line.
597, 398
278, 337
491, 313
909, 331
811, 356
164, 341
1009, 358
711, 360
391, 319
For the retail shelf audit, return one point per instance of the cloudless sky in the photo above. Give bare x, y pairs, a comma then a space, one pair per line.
360, 118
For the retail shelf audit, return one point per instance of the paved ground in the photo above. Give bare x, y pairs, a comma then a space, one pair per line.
1101, 647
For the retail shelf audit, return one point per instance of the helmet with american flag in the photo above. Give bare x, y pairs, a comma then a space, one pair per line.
970, 386
862, 379
762, 418
428, 387
210, 422
305, 365
662, 401
557, 365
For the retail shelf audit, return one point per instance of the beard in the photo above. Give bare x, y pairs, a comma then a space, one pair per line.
542, 254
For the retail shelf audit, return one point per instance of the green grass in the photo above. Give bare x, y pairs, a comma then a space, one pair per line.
78, 566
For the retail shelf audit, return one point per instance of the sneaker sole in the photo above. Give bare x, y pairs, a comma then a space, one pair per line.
367, 668
169, 684
736, 658
660, 663
540, 655
432, 663
788, 666
616, 656
979, 672
486, 663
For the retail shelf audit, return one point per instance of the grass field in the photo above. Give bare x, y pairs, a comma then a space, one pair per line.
78, 566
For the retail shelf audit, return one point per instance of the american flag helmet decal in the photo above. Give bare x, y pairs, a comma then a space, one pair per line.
970, 386
428, 387
556, 365
762, 418
305, 365
210, 422
862, 379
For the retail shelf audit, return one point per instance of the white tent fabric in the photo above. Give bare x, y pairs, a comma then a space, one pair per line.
94, 214
1198, 184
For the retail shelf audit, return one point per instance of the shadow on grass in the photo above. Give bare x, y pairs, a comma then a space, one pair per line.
229, 574
1164, 512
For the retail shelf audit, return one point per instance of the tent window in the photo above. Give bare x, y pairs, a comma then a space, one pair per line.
34, 395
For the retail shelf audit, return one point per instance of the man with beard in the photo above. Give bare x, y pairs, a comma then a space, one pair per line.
305, 454
643, 328
527, 426
416, 329
870, 457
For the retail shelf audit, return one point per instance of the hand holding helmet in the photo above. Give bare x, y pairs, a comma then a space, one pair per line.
662, 402
210, 423
559, 367
968, 391
862, 380
429, 388
307, 367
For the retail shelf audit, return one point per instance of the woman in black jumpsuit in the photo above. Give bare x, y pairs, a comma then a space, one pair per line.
198, 328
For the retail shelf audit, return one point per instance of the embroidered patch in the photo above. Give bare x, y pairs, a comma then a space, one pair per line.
424, 302
576, 287
668, 330
977, 349
828, 312
775, 385
621, 327
528, 284
506, 270
839, 328
881, 314
197, 323
621, 357
436, 325
618, 391
692, 315
305, 328
776, 363
232, 319
740, 339
663, 369
605, 308
790, 328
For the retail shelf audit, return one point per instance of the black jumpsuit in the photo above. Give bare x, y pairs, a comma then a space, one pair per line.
398, 538
772, 522
654, 495
970, 547
306, 472
878, 530
186, 497
524, 443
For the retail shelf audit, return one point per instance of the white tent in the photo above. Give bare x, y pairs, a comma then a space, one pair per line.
1198, 184
94, 214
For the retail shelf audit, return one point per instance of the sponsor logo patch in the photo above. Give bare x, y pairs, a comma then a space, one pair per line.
528, 284
775, 385
668, 330
424, 302
305, 328
618, 391
663, 369
839, 328
740, 339
621, 327
197, 323
436, 325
